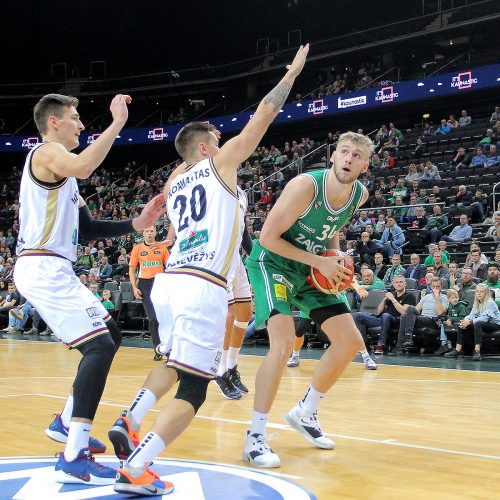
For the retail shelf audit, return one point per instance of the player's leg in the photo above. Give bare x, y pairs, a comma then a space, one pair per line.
243, 313
223, 382
333, 316
145, 286
303, 324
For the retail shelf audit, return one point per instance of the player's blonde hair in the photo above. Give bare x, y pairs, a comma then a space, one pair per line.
358, 139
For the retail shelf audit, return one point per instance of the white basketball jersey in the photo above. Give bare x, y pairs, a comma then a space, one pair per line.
48, 214
243, 201
206, 217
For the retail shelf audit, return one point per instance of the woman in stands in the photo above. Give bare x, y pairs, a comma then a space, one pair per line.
484, 317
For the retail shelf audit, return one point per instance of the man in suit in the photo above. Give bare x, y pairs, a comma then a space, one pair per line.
415, 270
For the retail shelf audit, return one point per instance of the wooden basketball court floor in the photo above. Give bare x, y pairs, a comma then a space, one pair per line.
401, 432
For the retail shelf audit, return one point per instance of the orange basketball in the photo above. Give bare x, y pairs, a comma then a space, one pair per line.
318, 281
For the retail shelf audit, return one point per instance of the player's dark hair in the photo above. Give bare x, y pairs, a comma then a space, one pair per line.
189, 135
51, 105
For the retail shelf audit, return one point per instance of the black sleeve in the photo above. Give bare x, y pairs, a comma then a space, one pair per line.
91, 229
246, 241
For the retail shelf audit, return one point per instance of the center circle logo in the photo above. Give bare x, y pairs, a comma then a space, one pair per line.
33, 479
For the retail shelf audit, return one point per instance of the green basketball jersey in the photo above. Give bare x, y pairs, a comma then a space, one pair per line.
315, 227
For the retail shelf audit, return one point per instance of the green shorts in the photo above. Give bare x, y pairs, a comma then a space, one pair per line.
273, 290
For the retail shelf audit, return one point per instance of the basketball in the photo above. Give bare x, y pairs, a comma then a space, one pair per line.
318, 281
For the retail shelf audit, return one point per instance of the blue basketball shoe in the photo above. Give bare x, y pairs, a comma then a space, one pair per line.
59, 433
83, 470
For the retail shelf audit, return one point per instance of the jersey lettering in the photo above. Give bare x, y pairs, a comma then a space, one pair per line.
196, 214
310, 245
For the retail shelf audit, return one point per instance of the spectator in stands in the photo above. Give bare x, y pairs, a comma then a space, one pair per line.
387, 160
463, 198
429, 260
424, 285
452, 122
422, 196
478, 160
411, 212
85, 260
420, 149
444, 128
489, 138
493, 232
11, 299
399, 212
465, 120
379, 268
493, 157
493, 280
495, 116
380, 225
465, 283
442, 247
457, 311
389, 311
392, 238
430, 174
425, 314
7, 272
479, 204
366, 249
419, 221
83, 280
18, 316
361, 222
440, 269
378, 200
394, 270
459, 233
455, 273
370, 281
479, 269
484, 317
412, 175
461, 160
436, 223
119, 271
415, 270
106, 300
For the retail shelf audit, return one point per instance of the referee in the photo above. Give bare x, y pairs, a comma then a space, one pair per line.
147, 259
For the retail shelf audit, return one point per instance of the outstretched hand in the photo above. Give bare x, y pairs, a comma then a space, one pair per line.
150, 214
119, 109
299, 60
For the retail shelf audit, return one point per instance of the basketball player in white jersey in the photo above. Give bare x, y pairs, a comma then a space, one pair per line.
48, 235
239, 313
190, 297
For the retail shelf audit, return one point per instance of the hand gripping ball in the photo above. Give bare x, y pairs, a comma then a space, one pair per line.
318, 281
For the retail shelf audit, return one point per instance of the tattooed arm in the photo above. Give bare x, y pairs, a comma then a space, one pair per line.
239, 148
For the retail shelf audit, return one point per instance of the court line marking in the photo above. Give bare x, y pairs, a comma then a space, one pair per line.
284, 427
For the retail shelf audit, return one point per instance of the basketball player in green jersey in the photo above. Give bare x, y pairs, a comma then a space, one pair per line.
305, 221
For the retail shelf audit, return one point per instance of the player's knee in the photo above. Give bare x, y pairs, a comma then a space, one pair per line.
282, 347
115, 332
192, 389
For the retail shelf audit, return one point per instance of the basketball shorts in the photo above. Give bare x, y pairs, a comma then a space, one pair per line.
72, 312
191, 313
275, 290
238, 288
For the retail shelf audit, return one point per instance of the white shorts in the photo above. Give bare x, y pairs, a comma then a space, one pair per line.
49, 284
238, 288
191, 313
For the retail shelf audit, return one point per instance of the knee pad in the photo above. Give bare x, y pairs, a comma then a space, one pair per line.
241, 324
115, 332
193, 389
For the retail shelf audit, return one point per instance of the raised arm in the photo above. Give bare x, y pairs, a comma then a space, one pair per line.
56, 159
239, 148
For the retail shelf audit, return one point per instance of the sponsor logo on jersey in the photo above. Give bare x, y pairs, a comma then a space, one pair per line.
28, 478
95, 324
386, 94
280, 291
317, 204
282, 279
93, 312
153, 263
306, 228
143, 253
352, 101
74, 236
157, 134
195, 239
310, 245
92, 137
30, 142
463, 81
317, 107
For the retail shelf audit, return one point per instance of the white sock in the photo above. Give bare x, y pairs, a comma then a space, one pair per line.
144, 401
78, 439
232, 357
150, 447
67, 411
364, 354
295, 353
259, 421
223, 364
311, 400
